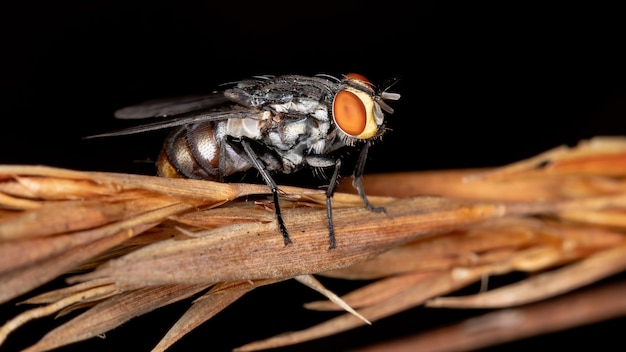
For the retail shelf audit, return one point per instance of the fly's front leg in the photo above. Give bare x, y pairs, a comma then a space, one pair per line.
258, 164
357, 180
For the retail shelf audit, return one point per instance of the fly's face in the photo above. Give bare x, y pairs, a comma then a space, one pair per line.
273, 124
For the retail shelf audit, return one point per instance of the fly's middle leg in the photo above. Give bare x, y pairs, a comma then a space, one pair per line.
258, 164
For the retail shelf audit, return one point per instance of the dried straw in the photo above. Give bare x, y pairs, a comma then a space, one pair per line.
134, 243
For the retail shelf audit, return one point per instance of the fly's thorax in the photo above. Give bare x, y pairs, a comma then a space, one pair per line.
301, 91
302, 106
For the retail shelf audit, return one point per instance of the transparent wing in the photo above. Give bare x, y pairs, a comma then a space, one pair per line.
237, 112
171, 106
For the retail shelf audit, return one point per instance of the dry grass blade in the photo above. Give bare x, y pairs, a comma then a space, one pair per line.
311, 282
376, 292
39, 272
434, 285
205, 307
81, 215
593, 167
485, 243
135, 243
262, 255
112, 313
59, 294
98, 292
542, 286
505, 325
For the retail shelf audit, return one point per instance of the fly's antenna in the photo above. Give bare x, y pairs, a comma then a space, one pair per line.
385, 95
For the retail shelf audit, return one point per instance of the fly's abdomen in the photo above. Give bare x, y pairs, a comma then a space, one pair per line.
201, 151
191, 151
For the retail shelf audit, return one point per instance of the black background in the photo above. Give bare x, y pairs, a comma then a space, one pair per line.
482, 85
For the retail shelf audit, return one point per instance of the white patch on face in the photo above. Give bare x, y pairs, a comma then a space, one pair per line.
379, 117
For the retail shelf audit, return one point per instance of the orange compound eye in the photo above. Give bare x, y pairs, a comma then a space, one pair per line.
349, 113
358, 77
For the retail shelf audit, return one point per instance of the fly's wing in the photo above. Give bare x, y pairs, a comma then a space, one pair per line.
179, 120
171, 106
177, 112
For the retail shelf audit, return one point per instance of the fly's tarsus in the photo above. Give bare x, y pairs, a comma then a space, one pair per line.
357, 183
331, 226
258, 164
329, 208
279, 219
357, 179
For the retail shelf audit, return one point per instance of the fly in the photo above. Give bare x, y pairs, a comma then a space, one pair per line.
275, 124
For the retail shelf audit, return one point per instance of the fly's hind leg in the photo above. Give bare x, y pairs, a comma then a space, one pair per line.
258, 164
357, 180
324, 162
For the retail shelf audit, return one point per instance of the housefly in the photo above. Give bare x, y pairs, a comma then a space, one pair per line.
275, 124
